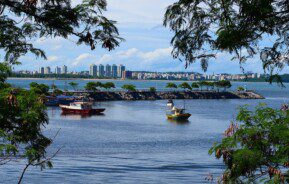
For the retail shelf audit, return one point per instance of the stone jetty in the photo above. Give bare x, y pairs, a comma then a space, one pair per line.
146, 95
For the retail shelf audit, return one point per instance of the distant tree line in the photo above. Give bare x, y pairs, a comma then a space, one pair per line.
209, 85
43, 89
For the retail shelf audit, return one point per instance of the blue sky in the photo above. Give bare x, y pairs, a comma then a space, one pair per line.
147, 46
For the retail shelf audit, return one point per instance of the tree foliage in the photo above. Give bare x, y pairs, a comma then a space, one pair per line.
257, 149
185, 86
171, 85
201, 84
40, 89
152, 89
108, 85
73, 85
195, 85
91, 86
225, 84
240, 88
5, 71
23, 21
57, 92
22, 117
129, 87
204, 27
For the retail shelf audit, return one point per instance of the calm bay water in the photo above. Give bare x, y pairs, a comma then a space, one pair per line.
134, 143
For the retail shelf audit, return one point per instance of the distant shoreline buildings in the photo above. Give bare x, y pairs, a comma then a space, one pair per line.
95, 71
119, 71
108, 71
191, 76
47, 70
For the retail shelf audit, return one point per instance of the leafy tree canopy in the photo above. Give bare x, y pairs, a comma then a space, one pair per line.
185, 85
22, 117
195, 85
57, 92
21, 21
40, 89
152, 89
73, 85
91, 86
256, 150
223, 84
240, 88
204, 27
171, 85
108, 85
129, 87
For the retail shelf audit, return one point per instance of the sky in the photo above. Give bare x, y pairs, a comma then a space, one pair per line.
147, 46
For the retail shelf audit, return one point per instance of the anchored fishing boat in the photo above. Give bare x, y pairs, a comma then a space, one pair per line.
176, 113
80, 108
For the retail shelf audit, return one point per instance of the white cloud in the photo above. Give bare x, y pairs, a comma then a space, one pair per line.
128, 53
81, 58
156, 54
105, 59
135, 54
52, 58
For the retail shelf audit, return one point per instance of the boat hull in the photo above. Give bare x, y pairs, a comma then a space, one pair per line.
179, 117
82, 111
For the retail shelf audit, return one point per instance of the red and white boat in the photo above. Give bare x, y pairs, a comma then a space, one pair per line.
80, 108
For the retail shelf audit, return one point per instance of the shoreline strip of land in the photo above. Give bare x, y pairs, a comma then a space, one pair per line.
147, 95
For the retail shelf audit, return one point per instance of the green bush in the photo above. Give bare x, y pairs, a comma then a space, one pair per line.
256, 147
152, 89
185, 86
240, 88
129, 87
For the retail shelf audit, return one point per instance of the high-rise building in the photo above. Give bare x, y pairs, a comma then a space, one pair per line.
120, 71
108, 70
100, 71
64, 69
57, 70
41, 70
114, 71
93, 70
47, 70
126, 75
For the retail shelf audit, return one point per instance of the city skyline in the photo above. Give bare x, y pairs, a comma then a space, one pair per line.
120, 71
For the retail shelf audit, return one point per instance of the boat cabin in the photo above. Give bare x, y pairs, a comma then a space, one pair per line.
81, 105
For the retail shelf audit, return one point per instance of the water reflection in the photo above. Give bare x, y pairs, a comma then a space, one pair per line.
79, 116
179, 122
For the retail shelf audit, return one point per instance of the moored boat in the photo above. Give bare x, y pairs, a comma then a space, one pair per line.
178, 114
80, 108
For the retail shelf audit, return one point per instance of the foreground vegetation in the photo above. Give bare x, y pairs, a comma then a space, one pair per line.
255, 147
22, 117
